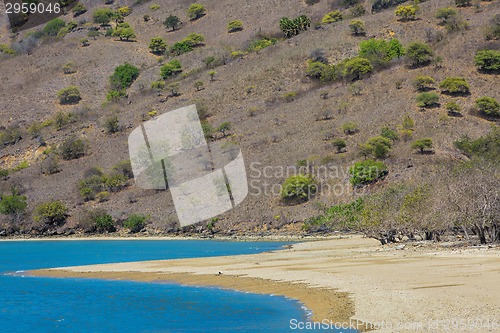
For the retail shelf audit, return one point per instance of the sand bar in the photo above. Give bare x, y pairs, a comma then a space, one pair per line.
420, 288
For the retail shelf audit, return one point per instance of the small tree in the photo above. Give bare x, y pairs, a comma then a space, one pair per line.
340, 144
427, 100
235, 25
52, 213
69, 95
124, 33
212, 75
488, 60
195, 11
332, 17
406, 13
454, 86
172, 22
422, 145
423, 83
357, 27
355, 68
124, 11
158, 46
298, 188
419, 54
488, 106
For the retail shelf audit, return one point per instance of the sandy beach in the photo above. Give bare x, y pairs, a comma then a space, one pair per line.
351, 280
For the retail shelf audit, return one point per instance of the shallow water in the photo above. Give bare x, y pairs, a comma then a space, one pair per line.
34, 304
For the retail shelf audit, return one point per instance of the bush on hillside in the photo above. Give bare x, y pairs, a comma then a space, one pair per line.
367, 172
51, 213
69, 95
454, 86
298, 188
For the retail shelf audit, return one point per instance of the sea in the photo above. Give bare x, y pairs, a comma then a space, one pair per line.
39, 304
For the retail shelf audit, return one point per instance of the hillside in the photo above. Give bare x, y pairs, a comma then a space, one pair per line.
273, 129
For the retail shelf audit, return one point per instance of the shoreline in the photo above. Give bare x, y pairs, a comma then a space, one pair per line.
243, 238
343, 279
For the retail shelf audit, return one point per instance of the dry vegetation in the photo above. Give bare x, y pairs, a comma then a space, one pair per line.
279, 116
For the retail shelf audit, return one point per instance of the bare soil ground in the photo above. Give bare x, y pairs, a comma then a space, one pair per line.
248, 93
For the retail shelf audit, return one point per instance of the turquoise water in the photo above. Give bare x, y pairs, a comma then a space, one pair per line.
34, 304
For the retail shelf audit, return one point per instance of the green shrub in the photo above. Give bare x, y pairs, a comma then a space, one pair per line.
423, 83
444, 14
340, 144
298, 188
123, 168
102, 196
79, 9
350, 128
380, 51
293, 27
4, 173
53, 27
115, 95
112, 124
454, 86
406, 13
13, 204
488, 60
170, 69
235, 25
181, 47
158, 46
355, 68
379, 5
9, 136
487, 146
123, 76
135, 223
72, 148
389, 133
427, 100
419, 54
357, 27
332, 17
69, 95
488, 106
321, 71
195, 11
102, 16
422, 145
172, 22
463, 3
52, 213
357, 11
194, 39
493, 31
453, 108
99, 221
367, 172
342, 216
380, 146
